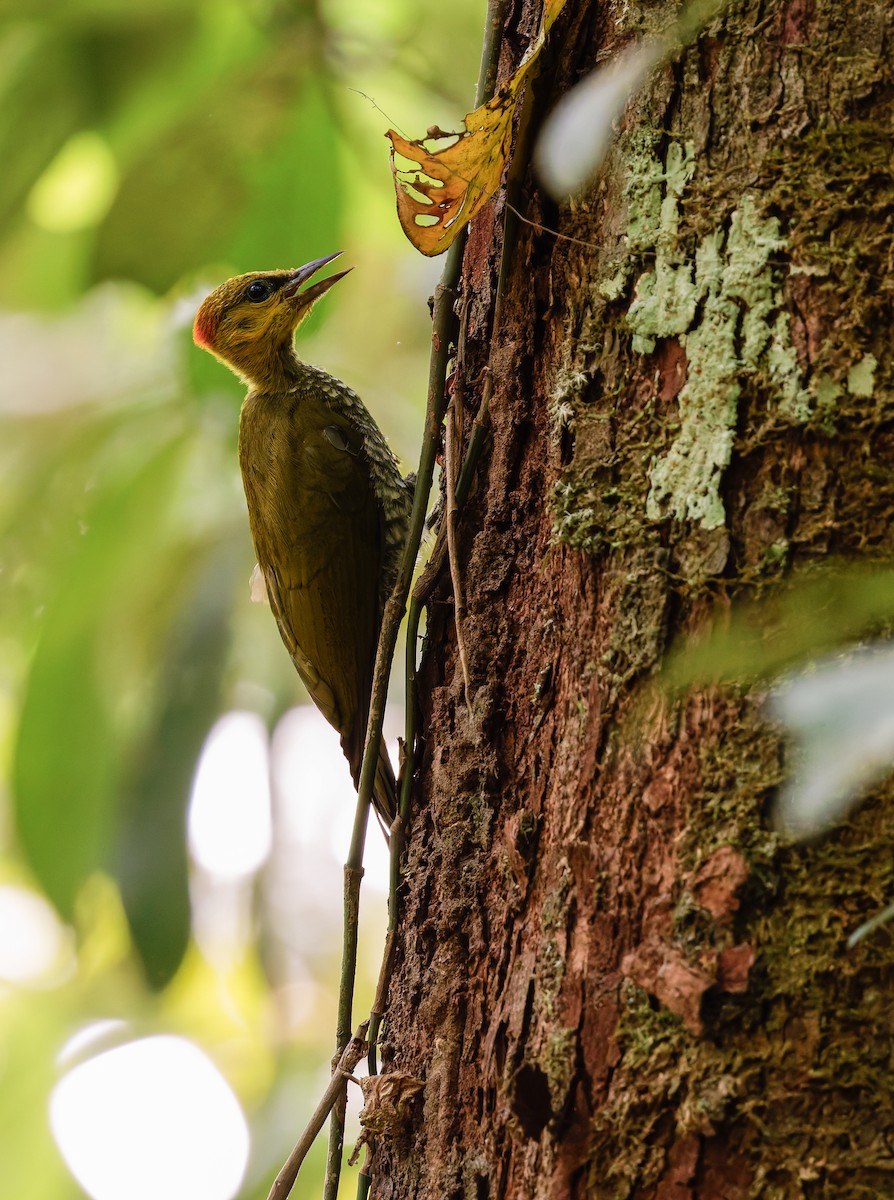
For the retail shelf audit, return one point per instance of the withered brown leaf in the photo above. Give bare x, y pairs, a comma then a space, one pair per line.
456, 180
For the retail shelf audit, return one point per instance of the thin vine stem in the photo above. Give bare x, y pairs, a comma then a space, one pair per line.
348, 1060
443, 334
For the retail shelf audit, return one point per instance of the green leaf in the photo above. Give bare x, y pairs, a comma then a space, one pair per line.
296, 206
41, 104
812, 613
174, 208
65, 768
246, 146
150, 859
67, 754
34, 1027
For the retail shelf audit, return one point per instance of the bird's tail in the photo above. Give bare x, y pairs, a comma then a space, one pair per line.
384, 797
385, 788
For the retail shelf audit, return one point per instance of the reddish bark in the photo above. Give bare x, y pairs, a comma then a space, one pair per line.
613, 978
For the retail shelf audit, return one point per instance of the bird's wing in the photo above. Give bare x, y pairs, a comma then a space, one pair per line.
318, 534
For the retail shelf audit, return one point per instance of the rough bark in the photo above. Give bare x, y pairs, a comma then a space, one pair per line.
614, 978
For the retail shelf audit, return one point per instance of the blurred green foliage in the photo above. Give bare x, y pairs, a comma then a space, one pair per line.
816, 610
150, 149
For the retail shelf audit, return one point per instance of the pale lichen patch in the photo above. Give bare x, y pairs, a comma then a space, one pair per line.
725, 306
861, 376
827, 393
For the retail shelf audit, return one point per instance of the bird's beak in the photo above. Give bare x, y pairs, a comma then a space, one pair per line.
302, 274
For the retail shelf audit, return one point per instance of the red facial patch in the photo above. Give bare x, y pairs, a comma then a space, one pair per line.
204, 330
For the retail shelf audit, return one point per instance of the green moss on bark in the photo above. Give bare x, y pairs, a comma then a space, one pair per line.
777, 1061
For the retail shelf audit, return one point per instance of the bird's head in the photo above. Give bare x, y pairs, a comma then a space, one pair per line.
249, 321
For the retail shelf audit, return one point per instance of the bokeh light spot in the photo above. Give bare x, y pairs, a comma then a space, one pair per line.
152, 1118
229, 812
77, 188
35, 947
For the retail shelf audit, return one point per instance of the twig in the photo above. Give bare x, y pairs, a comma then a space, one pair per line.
442, 333
425, 585
454, 419
426, 582
353, 874
480, 426
349, 1059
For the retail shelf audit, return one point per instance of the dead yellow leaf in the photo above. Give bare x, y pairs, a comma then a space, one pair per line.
454, 182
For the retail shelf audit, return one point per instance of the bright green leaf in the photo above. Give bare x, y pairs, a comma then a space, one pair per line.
67, 756
150, 861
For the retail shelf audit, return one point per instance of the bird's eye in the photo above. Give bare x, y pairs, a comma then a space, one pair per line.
259, 290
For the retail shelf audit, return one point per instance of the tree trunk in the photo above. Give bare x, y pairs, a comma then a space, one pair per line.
614, 978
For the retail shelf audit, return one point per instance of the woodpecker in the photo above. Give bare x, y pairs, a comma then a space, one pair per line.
327, 505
